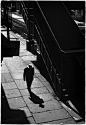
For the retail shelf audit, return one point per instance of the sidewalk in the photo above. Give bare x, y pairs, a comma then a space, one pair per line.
18, 96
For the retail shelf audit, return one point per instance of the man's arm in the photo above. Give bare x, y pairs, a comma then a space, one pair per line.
24, 75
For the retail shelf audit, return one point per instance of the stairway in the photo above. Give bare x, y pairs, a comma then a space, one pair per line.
64, 43
61, 46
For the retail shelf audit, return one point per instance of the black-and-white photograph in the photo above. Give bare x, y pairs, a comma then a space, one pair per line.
42, 62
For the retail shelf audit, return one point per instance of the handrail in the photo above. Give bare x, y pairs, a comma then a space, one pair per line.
23, 5
23, 9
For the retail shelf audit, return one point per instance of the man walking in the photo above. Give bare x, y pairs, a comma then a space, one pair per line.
28, 76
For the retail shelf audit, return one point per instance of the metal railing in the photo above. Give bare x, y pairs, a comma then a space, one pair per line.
44, 51
54, 76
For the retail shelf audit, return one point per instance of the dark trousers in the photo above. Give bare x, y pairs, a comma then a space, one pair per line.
29, 85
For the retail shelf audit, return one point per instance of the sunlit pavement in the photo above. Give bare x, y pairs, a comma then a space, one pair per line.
18, 96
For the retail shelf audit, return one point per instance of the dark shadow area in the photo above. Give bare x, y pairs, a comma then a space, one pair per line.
36, 99
9, 48
9, 116
80, 105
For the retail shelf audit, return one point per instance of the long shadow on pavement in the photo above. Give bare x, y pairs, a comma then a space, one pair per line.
36, 99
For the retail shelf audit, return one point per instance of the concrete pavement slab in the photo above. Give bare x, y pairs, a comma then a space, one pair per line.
25, 53
17, 75
4, 69
35, 75
10, 85
36, 70
6, 59
41, 78
38, 74
82, 122
21, 84
27, 58
46, 83
3, 79
22, 49
50, 89
36, 83
6, 77
15, 64
24, 92
27, 100
63, 121
31, 120
10, 93
27, 111
40, 90
16, 103
48, 106
51, 115
46, 96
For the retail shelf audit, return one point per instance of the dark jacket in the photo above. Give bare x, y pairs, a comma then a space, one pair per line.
28, 74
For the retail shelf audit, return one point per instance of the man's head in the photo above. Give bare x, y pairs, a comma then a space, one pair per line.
30, 66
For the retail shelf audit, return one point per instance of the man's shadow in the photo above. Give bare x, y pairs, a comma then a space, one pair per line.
36, 99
